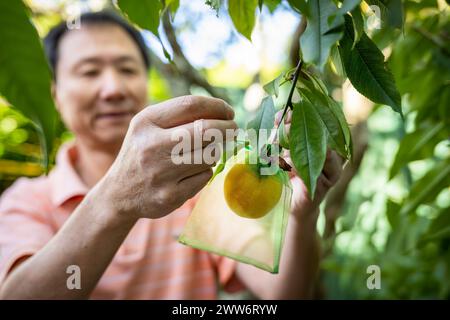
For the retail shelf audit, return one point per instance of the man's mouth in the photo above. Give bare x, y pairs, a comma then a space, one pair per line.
115, 116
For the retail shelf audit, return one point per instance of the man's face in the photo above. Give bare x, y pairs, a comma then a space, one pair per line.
101, 82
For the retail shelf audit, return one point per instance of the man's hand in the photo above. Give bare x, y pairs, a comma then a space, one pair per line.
144, 181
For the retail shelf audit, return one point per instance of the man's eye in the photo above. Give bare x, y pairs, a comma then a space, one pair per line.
128, 70
90, 73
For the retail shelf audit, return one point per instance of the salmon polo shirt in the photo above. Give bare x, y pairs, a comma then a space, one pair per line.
150, 263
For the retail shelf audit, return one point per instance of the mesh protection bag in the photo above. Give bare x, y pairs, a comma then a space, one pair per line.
213, 226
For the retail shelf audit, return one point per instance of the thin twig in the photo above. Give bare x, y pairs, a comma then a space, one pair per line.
291, 92
184, 67
288, 104
294, 53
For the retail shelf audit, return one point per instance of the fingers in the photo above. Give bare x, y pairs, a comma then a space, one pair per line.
185, 109
201, 133
287, 117
197, 161
195, 183
333, 167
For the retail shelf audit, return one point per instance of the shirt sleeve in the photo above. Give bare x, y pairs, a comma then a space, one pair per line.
24, 225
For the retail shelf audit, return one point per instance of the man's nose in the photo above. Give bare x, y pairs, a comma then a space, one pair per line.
112, 86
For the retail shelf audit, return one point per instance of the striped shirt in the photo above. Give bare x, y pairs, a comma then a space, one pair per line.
150, 263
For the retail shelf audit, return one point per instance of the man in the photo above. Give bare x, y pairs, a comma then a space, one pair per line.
110, 211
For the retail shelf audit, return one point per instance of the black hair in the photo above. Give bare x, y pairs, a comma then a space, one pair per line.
53, 38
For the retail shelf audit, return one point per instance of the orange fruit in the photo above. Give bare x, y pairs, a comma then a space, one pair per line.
250, 194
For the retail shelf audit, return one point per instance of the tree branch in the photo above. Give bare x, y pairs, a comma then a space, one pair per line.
336, 196
294, 54
185, 68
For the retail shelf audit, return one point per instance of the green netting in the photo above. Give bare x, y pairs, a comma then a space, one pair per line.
214, 227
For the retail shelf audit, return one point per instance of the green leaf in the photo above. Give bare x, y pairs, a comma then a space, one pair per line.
337, 110
358, 25
144, 13
366, 69
315, 84
392, 210
319, 35
25, 78
391, 11
335, 135
439, 227
337, 62
318, 83
272, 5
308, 144
300, 6
242, 13
265, 117
413, 144
395, 13
347, 5
283, 138
273, 86
173, 6
428, 187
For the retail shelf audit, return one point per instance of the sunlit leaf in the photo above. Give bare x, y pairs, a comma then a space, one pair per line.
337, 62
173, 6
24, 74
272, 5
366, 69
145, 13
273, 86
319, 35
265, 117
242, 13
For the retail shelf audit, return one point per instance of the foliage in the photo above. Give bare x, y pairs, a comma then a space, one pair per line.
24, 75
406, 231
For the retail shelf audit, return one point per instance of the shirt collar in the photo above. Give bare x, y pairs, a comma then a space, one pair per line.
64, 180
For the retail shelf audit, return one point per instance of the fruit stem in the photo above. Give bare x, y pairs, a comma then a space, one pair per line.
291, 93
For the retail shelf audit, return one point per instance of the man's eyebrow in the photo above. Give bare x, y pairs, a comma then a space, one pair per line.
96, 60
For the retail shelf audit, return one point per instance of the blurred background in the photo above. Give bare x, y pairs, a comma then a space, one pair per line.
391, 208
